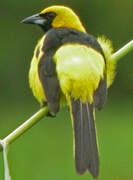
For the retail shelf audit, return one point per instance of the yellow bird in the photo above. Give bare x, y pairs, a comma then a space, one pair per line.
71, 67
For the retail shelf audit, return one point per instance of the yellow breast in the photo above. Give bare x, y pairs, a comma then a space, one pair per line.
34, 80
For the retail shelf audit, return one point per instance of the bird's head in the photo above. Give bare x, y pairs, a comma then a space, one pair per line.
56, 17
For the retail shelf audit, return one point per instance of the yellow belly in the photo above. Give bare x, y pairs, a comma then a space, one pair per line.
79, 70
34, 80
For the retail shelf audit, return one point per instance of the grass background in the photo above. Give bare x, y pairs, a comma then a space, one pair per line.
46, 150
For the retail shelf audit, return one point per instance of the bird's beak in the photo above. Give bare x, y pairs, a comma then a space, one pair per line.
35, 19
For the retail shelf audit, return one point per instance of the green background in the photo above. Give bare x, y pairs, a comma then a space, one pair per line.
45, 152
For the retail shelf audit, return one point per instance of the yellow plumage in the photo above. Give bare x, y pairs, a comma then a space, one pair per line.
65, 18
36, 85
107, 47
34, 79
81, 72
79, 69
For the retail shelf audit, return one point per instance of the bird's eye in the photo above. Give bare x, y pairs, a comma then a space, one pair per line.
49, 15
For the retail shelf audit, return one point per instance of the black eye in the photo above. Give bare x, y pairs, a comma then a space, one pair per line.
49, 16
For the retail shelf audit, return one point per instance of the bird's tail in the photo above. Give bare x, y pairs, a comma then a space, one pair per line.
86, 150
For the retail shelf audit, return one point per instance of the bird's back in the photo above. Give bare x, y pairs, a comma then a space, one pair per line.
80, 69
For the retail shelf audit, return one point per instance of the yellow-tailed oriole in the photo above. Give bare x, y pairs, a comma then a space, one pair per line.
71, 67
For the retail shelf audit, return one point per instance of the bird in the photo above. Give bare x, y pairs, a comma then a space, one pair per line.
71, 67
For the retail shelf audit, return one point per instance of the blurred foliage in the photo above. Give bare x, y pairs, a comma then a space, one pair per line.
45, 151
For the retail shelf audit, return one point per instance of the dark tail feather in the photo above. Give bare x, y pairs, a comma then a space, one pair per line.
86, 150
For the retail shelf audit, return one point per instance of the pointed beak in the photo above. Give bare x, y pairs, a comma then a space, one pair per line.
35, 19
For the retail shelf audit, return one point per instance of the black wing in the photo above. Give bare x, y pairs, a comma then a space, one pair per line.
50, 83
100, 94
